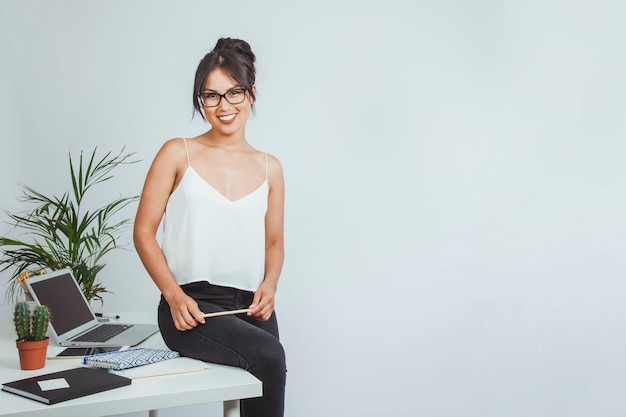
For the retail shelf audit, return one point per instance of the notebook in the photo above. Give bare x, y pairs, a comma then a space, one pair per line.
129, 358
180, 365
65, 385
72, 321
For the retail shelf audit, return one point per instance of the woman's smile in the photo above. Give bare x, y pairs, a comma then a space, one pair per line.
227, 118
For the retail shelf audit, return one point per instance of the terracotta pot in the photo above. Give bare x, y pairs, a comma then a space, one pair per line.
33, 354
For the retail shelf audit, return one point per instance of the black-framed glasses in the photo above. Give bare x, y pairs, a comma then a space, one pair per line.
212, 99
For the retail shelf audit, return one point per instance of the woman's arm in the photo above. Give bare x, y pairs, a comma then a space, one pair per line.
162, 178
263, 303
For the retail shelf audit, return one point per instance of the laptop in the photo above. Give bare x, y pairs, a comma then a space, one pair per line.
72, 321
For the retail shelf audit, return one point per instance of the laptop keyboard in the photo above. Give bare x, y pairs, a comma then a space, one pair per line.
102, 333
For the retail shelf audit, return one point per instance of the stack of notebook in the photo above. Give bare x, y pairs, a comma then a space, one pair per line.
78, 382
130, 358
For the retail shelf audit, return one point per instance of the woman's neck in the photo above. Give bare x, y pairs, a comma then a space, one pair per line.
228, 142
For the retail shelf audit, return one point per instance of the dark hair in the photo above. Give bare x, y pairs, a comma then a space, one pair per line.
235, 58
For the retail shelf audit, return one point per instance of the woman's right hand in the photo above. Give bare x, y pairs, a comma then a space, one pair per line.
185, 312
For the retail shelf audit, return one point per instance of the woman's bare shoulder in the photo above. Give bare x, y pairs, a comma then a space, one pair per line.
172, 149
172, 155
273, 161
173, 145
274, 169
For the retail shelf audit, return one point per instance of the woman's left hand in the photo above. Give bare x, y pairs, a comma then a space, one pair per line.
262, 305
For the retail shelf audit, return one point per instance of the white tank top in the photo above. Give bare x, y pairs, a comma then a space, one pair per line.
207, 237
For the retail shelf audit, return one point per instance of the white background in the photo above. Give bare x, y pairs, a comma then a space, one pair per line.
455, 182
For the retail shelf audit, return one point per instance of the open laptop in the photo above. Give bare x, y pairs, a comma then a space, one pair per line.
72, 322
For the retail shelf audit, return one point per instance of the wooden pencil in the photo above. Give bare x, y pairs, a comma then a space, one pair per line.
225, 313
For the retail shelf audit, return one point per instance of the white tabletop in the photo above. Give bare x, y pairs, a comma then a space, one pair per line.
218, 383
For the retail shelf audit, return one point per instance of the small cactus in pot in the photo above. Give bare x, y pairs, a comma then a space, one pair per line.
30, 328
32, 343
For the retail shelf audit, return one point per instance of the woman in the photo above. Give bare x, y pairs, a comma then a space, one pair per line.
222, 205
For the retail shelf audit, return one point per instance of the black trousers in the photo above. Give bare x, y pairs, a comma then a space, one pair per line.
236, 340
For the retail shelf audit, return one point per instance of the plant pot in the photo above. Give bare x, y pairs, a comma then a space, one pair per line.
33, 354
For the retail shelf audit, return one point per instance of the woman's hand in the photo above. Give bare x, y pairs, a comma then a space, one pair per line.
185, 312
262, 305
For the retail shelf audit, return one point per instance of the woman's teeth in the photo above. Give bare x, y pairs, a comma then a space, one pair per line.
227, 118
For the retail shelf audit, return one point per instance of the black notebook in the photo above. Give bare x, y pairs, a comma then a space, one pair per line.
65, 385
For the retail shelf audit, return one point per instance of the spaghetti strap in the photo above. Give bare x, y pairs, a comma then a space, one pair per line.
266, 166
187, 152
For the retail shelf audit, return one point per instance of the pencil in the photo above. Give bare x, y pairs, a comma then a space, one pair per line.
225, 313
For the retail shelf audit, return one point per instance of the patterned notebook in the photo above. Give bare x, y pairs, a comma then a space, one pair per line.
131, 358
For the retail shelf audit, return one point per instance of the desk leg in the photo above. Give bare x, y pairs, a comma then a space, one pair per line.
231, 408
153, 413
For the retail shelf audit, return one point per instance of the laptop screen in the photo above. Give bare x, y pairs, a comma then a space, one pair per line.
68, 307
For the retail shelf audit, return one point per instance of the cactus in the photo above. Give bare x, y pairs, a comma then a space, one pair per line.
39, 323
31, 328
21, 318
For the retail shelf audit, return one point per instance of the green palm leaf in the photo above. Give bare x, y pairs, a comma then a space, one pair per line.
63, 233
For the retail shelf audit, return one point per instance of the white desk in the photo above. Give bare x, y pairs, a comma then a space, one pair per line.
218, 383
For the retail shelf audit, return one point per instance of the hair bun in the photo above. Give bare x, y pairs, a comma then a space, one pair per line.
234, 45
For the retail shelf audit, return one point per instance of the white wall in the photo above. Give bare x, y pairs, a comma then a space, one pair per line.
455, 206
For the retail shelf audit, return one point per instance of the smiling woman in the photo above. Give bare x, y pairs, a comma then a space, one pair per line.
236, 60
233, 110
222, 203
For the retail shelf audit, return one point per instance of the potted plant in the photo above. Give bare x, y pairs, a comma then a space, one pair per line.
66, 231
32, 342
